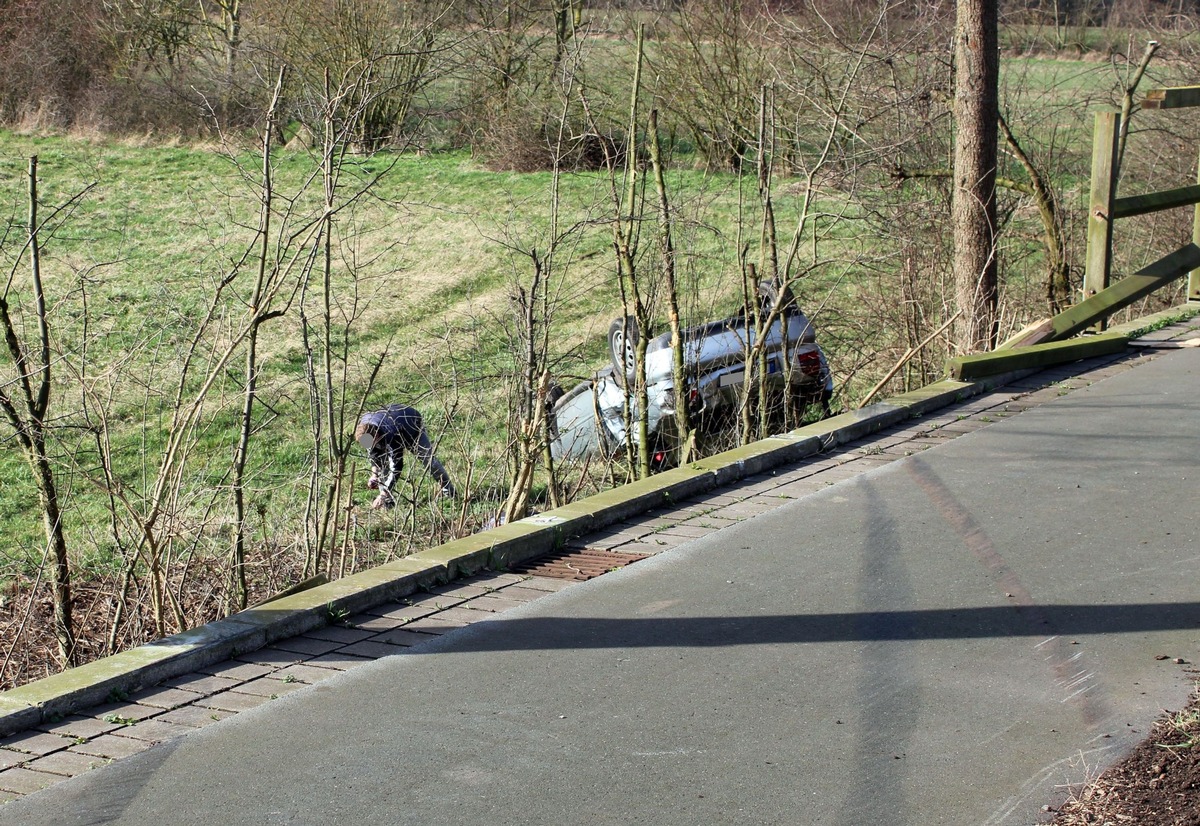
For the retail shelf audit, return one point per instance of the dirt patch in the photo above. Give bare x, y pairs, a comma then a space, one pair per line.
1156, 785
29, 650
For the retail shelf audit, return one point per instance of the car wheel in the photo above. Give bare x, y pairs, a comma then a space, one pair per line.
622, 341
768, 292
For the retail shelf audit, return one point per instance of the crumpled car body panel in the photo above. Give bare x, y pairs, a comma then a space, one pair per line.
589, 420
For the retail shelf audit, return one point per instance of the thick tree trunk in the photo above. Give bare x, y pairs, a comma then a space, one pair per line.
977, 70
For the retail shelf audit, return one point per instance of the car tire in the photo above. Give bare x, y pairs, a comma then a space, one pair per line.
768, 292
622, 341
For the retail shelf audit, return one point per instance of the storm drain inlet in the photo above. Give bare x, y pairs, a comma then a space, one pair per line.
577, 565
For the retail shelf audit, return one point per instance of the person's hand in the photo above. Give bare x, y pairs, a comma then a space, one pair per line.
383, 500
373, 483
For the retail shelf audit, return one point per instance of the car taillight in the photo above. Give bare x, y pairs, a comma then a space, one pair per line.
808, 362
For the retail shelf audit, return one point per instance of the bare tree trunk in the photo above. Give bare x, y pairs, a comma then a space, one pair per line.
626, 246
625, 219
250, 389
567, 18
1058, 276
1127, 104
60, 580
530, 408
321, 393
231, 36
977, 68
756, 370
33, 381
683, 423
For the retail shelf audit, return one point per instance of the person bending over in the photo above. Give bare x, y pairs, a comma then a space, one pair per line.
385, 435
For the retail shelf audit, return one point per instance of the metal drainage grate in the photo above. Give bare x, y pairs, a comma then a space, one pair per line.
577, 565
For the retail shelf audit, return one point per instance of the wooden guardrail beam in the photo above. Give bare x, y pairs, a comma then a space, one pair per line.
1193, 286
1156, 201
970, 368
1108, 301
1174, 97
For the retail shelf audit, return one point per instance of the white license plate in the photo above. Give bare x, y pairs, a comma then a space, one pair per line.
739, 376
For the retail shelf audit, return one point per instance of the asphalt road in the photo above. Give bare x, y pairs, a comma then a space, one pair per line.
946, 640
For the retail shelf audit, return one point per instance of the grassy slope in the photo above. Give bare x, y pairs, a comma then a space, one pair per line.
437, 247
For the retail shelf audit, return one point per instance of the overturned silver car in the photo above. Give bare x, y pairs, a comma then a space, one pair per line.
589, 420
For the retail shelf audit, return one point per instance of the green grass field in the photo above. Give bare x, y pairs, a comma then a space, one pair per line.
425, 264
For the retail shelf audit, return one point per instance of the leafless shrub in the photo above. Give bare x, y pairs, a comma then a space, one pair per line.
51, 56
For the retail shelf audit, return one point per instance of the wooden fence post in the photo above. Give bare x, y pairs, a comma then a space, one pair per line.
1098, 265
1193, 285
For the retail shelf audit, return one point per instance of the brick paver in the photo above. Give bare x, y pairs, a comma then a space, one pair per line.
273, 656
410, 610
25, 781
545, 583
499, 580
461, 591
233, 701
387, 645
495, 603
237, 670
122, 713
519, 593
374, 624
687, 530
435, 625
202, 684
308, 645
154, 731
269, 687
36, 743
338, 633
195, 716
67, 763
649, 548
711, 522
305, 673
111, 746
864, 463
80, 727
462, 614
338, 660
745, 509
801, 488
164, 698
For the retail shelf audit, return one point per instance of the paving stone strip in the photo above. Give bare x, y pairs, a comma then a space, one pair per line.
33, 760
